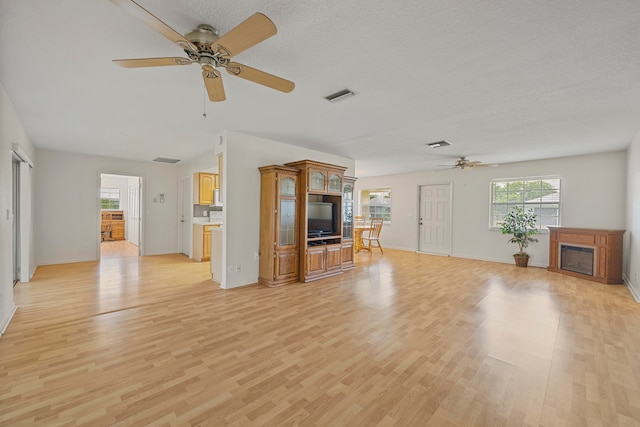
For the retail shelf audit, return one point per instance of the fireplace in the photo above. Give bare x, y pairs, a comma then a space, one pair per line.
577, 259
586, 253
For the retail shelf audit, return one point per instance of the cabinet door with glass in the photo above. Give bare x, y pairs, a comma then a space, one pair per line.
286, 258
347, 208
334, 183
287, 210
279, 211
317, 181
348, 255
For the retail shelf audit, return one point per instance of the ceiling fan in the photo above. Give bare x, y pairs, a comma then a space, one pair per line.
463, 163
203, 46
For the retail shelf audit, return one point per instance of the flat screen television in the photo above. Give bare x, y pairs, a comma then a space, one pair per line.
322, 219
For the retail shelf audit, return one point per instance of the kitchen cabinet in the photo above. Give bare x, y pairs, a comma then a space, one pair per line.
216, 254
278, 225
207, 183
206, 244
202, 241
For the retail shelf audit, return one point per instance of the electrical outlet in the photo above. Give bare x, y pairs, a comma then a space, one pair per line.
257, 255
237, 268
636, 279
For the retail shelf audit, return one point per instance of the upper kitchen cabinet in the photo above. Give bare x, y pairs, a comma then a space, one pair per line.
207, 183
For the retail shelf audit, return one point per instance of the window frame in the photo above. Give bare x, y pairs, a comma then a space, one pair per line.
540, 227
106, 190
376, 190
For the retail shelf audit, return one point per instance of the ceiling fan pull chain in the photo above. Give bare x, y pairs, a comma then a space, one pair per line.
204, 102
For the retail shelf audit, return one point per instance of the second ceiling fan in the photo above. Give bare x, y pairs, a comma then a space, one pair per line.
463, 163
203, 47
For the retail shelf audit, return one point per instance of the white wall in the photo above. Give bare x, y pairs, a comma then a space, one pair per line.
632, 260
241, 190
593, 196
11, 132
67, 190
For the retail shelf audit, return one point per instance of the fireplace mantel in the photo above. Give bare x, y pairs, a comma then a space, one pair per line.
607, 251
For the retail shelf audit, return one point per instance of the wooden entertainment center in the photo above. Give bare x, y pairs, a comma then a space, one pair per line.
306, 222
604, 247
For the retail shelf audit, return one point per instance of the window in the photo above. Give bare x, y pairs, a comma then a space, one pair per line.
376, 203
540, 194
109, 198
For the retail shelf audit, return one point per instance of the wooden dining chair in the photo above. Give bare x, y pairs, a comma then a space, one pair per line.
372, 237
106, 232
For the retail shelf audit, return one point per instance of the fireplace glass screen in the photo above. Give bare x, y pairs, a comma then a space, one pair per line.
576, 259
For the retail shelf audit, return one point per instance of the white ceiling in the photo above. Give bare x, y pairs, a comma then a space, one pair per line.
503, 81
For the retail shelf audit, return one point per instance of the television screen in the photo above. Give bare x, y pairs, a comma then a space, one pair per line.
321, 218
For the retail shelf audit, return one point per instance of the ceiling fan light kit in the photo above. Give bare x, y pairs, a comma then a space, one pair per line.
203, 46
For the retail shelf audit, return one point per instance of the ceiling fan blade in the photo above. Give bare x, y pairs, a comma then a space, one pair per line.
248, 33
151, 62
213, 83
260, 77
151, 20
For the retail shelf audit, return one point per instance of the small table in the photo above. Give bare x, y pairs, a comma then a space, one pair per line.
357, 236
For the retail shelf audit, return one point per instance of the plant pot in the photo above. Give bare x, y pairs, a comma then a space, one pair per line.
522, 260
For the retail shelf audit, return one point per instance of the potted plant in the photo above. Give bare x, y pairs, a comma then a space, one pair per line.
521, 225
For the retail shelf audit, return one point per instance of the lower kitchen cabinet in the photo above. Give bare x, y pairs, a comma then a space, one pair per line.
202, 242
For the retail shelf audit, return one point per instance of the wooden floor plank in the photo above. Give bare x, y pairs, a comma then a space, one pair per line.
402, 339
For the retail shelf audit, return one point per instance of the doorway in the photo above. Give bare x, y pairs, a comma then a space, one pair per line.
435, 219
120, 216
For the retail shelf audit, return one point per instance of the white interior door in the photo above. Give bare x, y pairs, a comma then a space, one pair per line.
184, 202
435, 219
15, 216
133, 223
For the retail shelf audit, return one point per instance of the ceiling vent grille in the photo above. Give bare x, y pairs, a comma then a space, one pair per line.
165, 160
339, 96
439, 144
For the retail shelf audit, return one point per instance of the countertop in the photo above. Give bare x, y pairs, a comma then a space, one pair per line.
204, 221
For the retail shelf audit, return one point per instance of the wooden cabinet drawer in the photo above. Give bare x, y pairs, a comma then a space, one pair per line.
117, 225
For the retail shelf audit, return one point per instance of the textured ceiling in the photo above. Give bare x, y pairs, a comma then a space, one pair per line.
502, 81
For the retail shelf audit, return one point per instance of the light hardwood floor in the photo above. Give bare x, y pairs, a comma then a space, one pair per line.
117, 249
404, 339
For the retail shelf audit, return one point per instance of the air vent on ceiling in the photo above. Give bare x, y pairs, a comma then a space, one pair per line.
438, 144
165, 160
339, 96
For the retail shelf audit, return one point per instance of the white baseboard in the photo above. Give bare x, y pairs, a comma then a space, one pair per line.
634, 293
432, 253
5, 324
